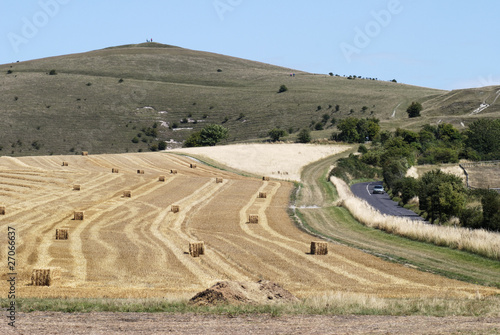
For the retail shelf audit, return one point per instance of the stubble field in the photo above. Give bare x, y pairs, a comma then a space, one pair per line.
137, 247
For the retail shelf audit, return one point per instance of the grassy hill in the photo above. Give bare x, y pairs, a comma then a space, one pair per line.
100, 100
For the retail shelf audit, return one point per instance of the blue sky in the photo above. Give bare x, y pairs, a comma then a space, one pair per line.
441, 43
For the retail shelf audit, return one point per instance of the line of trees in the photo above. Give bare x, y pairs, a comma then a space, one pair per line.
441, 196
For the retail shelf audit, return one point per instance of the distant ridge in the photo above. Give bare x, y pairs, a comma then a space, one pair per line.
145, 45
109, 100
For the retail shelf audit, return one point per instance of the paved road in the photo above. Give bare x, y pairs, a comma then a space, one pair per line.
382, 202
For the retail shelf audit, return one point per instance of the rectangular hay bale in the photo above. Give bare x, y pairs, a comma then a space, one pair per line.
127, 194
192, 166
64, 163
140, 171
78, 216
85, 153
45, 277
319, 248
197, 248
76, 187
62, 234
265, 178
262, 195
253, 218
161, 178
114, 170
175, 208
173, 171
2, 210
219, 180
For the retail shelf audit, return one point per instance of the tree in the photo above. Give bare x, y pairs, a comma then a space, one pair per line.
394, 170
194, 140
441, 195
282, 89
162, 145
276, 133
408, 187
318, 126
491, 211
210, 135
325, 118
482, 136
348, 131
414, 109
304, 136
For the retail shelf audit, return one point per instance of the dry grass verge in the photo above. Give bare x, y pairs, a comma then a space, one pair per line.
331, 304
477, 241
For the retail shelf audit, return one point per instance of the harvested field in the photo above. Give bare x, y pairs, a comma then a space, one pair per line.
280, 161
138, 247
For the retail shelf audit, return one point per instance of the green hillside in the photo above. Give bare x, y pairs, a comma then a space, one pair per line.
100, 100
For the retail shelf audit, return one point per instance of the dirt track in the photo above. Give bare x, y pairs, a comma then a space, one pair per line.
144, 323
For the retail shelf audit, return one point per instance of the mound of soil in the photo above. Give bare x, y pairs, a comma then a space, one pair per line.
232, 292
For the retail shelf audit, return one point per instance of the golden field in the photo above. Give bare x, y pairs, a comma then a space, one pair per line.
280, 161
138, 247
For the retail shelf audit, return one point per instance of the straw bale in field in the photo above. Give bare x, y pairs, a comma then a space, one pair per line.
2, 210
78, 216
161, 178
197, 248
140, 171
265, 178
262, 195
76, 187
62, 233
319, 248
173, 171
192, 166
175, 208
218, 180
85, 153
127, 194
253, 218
114, 170
64, 163
45, 277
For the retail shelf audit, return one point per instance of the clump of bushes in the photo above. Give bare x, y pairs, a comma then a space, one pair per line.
282, 89
352, 167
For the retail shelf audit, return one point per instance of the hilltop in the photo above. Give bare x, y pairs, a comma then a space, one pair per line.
99, 101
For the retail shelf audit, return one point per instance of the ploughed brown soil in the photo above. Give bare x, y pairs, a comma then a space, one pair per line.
158, 323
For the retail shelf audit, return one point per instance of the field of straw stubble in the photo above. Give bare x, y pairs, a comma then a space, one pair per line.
138, 247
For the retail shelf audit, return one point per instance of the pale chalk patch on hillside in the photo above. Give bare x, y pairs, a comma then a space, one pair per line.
281, 161
419, 171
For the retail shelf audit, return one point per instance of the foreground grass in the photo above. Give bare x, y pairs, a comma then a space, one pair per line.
334, 304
